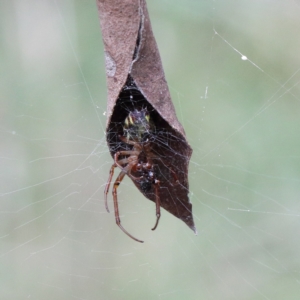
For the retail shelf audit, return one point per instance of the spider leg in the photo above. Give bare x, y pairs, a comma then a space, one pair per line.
127, 160
117, 216
119, 162
175, 177
127, 141
157, 202
111, 174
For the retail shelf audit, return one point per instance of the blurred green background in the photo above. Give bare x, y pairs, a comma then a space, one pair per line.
241, 117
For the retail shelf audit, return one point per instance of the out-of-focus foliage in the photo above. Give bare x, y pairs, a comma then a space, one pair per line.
240, 116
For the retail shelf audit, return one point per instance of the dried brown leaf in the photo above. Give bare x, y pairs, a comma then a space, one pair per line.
135, 78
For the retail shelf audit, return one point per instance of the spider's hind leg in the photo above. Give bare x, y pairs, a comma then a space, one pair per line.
157, 202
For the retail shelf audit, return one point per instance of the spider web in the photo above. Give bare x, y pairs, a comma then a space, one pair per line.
233, 71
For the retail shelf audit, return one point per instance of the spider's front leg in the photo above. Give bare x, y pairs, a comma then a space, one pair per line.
115, 196
132, 160
117, 163
111, 174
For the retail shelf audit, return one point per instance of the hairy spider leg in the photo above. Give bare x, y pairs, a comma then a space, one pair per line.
125, 170
117, 216
119, 163
134, 143
174, 175
157, 202
111, 174
132, 160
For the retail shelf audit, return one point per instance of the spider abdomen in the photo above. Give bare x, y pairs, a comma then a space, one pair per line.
145, 185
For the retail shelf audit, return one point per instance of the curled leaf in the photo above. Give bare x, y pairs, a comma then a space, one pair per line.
135, 79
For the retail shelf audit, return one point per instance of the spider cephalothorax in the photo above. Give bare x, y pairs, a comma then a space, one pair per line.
137, 124
135, 163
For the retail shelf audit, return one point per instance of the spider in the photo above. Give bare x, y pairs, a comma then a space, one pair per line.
135, 163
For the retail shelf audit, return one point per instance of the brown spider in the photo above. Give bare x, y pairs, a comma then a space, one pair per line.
137, 161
